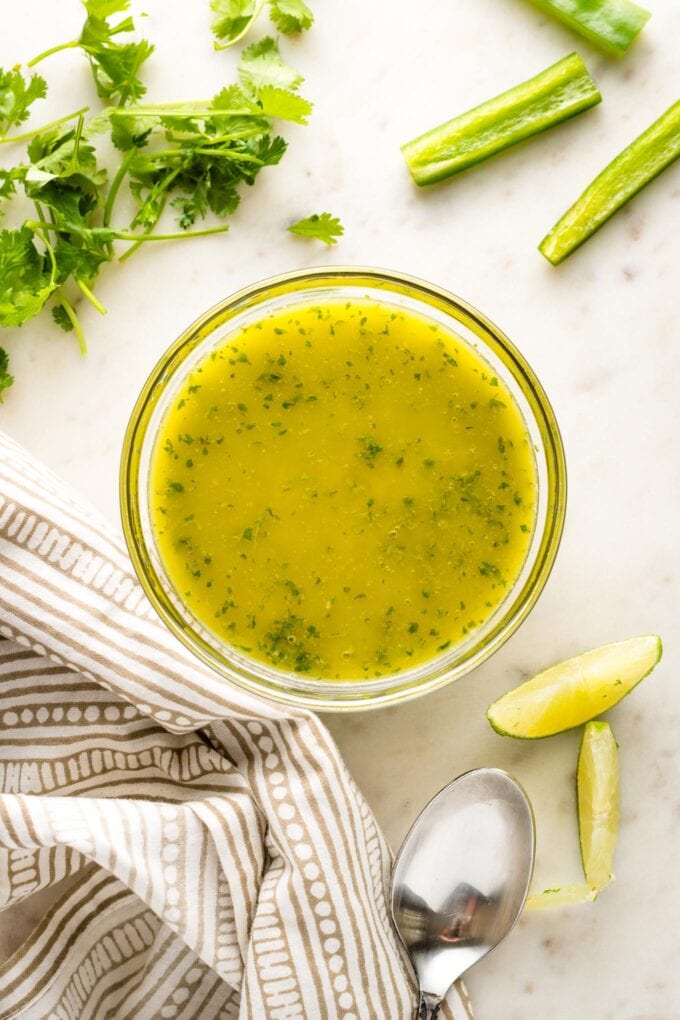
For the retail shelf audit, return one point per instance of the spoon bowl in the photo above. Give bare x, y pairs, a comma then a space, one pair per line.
461, 878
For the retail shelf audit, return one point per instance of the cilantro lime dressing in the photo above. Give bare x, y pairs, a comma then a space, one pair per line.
343, 491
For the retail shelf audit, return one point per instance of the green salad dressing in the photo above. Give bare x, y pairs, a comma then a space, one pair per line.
343, 491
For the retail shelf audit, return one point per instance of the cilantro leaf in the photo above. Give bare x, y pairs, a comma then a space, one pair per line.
270, 150
7, 185
284, 105
233, 100
103, 9
233, 19
80, 257
16, 95
96, 28
27, 278
70, 207
262, 64
6, 379
130, 133
323, 227
115, 69
60, 316
67, 157
291, 16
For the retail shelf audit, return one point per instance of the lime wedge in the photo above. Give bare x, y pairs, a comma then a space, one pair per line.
564, 896
575, 691
597, 784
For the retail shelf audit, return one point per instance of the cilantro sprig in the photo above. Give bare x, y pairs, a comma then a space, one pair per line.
321, 226
233, 18
115, 65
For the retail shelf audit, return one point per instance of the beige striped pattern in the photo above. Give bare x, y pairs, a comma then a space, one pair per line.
222, 862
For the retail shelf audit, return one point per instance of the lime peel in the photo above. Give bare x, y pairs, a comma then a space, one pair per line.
575, 691
597, 787
597, 784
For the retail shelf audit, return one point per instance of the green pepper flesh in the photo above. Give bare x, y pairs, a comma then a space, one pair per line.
612, 25
554, 95
638, 164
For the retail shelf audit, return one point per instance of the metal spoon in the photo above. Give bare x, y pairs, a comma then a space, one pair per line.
461, 878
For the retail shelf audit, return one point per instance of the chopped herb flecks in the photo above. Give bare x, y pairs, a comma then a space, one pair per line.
356, 501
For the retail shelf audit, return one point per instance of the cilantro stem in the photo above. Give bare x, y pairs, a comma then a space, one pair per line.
161, 154
240, 157
126, 235
53, 49
39, 227
73, 318
90, 296
77, 139
140, 238
115, 186
161, 104
120, 235
39, 210
131, 250
44, 127
182, 111
232, 136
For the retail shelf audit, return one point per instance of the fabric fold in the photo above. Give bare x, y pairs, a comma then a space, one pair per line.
218, 860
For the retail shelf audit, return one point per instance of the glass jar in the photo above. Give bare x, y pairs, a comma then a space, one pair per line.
315, 286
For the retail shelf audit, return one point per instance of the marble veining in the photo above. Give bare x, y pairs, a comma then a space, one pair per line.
601, 332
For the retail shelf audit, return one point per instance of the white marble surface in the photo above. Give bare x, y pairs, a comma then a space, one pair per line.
601, 333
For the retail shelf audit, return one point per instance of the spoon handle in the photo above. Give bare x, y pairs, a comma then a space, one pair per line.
429, 1006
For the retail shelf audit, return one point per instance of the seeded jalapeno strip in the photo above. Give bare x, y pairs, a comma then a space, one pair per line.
559, 92
612, 25
645, 158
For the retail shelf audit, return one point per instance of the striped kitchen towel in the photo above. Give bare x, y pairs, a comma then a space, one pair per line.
211, 855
